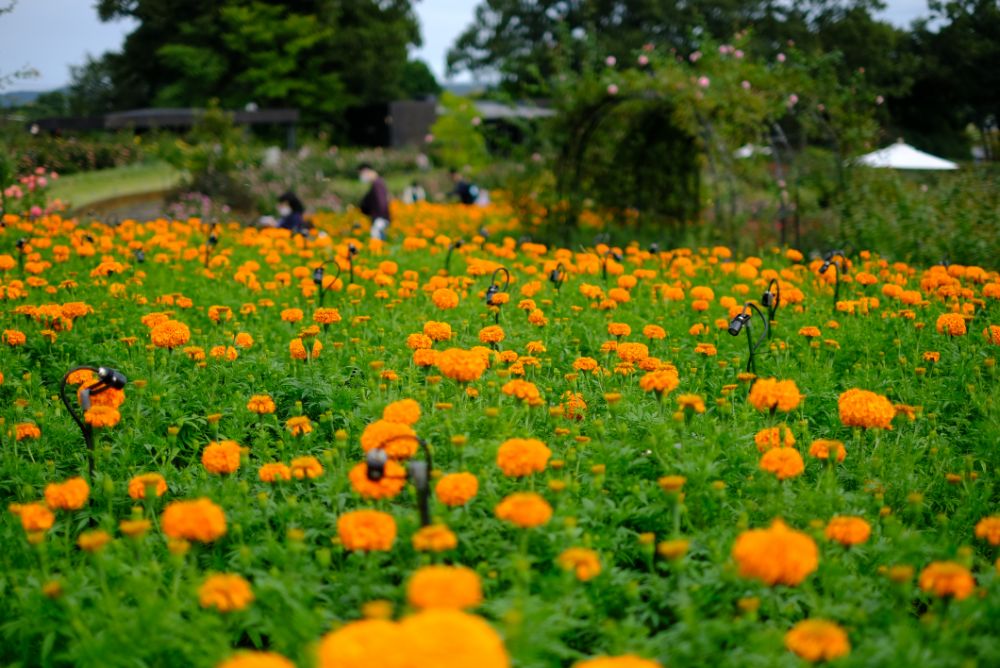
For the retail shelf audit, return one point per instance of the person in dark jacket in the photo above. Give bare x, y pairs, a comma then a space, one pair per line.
290, 215
375, 203
466, 192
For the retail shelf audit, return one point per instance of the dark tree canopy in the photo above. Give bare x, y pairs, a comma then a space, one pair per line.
320, 56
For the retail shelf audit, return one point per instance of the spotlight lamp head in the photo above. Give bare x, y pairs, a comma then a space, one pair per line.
654, 248
352, 249
458, 243
825, 267
737, 324
140, 256
112, 378
376, 459
21, 243
318, 273
490, 292
767, 298
484, 233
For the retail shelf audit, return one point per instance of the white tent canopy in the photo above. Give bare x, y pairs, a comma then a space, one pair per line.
903, 156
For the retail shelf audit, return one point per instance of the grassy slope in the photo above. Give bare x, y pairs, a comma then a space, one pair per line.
80, 190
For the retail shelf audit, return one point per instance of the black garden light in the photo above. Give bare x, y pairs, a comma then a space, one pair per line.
484, 234
140, 256
494, 289
21, 243
612, 254
417, 471
558, 276
210, 243
107, 379
457, 243
319, 274
352, 250
831, 259
771, 299
743, 321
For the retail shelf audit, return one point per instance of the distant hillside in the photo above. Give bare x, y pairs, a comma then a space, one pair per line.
19, 98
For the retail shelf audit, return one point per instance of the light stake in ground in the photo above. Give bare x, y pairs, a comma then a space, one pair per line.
494, 289
418, 472
107, 379
743, 322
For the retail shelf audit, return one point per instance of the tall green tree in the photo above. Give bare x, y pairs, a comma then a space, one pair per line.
320, 56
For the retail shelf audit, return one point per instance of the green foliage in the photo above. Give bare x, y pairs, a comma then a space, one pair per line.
320, 56
419, 81
457, 141
213, 155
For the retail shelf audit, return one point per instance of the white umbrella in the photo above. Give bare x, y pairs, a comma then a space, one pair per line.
903, 156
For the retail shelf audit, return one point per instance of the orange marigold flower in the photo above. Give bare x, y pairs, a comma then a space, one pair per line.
952, 324
300, 425
573, 405
848, 530
448, 639
992, 334
34, 517
692, 402
292, 314
297, 350
199, 519
673, 549
170, 334
389, 486
274, 472
366, 530
771, 394
988, 529
306, 467
14, 338
626, 661
824, 449
69, 495
261, 404
817, 640
776, 555
947, 578
93, 541
26, 430
404, 411
445, 298
518, 457
461, 365
102, 416
654, 332
222, 457
583, 562
456, 489
662, 382
931, 356
784, 463
810, 332
706, 349
134, 528
523, 390
437, 331
256, 659
774, 437
419, 341
524, 509
632, 352
434, 538
619, 329
453, 587
138, 485
861, 408
326, 316
491, 334
585, 364
397, 439
225, 592
362, 644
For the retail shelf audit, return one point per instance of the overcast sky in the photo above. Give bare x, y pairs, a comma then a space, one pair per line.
51, 35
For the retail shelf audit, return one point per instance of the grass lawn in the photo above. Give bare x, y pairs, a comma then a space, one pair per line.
80, 190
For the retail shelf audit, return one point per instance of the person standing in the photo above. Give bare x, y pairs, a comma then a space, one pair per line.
375, 203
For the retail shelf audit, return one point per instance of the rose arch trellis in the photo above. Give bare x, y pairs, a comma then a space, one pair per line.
626, 153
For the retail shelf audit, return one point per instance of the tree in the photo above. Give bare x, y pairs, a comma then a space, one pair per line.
419, 81
320, 56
